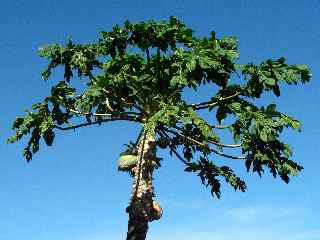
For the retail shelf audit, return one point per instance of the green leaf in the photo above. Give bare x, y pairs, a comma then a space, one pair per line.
191, 65
296, 124
271, 108
270, 81
221, 113
235, 106
48, 137
264, 136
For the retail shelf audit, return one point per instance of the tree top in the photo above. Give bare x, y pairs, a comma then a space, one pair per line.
137, 72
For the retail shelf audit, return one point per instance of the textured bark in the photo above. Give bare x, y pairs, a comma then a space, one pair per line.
141, 204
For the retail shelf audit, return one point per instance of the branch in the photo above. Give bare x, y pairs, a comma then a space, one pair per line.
212, 126
89, 113
101, 114
225, 145
179, 157
108, 105
204, 145
162, 133
215, 143
227, 155
220, 126
203, 105
132, 119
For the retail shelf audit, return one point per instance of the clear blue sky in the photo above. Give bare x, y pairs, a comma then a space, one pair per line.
73, 190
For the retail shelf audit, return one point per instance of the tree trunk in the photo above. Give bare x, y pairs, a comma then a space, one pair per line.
140, 209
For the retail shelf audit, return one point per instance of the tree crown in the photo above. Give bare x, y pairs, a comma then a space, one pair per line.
138, 73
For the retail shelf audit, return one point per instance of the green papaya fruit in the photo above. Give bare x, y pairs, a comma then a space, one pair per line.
127, 162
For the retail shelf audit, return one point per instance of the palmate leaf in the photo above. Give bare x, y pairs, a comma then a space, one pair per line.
139, 72
209, 174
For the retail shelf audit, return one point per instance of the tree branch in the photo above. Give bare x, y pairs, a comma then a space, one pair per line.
132, 119
179, 157
225, 145
90, 113
220, 126
203, 105
216, 143
108, 105
204, 145
162, 133
216, 126
101, 114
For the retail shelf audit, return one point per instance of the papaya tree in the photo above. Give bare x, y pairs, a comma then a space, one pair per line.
138, 72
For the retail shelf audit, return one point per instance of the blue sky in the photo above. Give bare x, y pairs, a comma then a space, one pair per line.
73, 190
